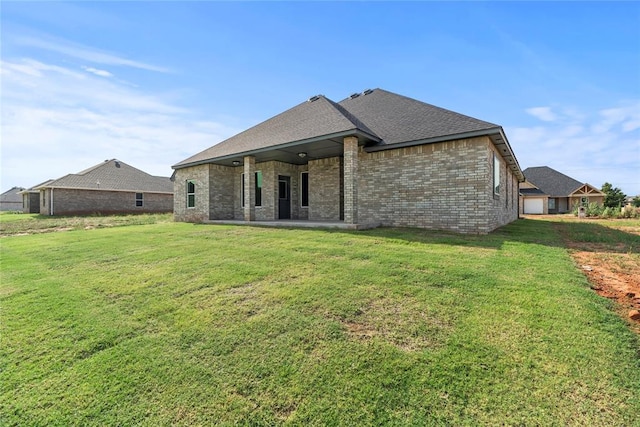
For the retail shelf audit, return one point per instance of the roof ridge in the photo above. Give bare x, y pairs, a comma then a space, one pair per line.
435, 106
352, 118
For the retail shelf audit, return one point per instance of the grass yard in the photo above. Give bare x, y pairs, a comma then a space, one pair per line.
182, 324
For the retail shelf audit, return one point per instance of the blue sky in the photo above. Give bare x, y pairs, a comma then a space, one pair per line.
152, 83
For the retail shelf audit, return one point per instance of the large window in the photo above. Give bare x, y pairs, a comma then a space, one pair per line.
258, 187
191, 194
304, 189
139, 200
496, 174
552, 204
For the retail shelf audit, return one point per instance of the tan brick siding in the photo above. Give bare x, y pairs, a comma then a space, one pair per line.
446, 186
325, 183
200, 176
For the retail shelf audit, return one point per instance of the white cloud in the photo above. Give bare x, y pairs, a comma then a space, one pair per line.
88, 54
101, 73
542, 113
57, 121
590, 146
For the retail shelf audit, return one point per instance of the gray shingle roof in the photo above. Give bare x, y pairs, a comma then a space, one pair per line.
113, 175
397, 119
12, 195
310, 119
531, 191
384, 117
551, 182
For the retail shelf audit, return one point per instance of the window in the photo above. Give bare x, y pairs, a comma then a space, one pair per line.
191, 194
506, 189
283, 194
258, 187
552, 204
139, 199
304, 193
496, 174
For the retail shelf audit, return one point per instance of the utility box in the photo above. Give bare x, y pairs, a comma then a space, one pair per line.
582, 212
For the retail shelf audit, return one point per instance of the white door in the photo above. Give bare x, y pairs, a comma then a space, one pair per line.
533, 206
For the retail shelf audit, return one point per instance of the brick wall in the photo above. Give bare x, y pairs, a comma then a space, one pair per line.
270, 172
200, 176
83, 202
446, 186
325, 189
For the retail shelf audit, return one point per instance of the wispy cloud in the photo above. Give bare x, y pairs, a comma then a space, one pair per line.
56, 120
542, 113
591, 146
101, 73
84, 53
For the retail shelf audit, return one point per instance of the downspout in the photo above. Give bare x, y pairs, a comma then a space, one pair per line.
51, 204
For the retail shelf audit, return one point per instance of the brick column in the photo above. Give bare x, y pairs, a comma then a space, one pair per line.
249, 188
351, 180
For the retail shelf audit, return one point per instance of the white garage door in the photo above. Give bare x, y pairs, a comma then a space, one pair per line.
533, 206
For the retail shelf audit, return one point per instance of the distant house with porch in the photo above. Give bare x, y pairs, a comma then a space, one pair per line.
374, 158
547, 191
31, 198
110, 187
11, 200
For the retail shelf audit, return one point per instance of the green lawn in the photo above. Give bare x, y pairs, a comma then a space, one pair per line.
182, 324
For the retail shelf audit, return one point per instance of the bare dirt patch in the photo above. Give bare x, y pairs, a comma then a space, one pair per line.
613, 269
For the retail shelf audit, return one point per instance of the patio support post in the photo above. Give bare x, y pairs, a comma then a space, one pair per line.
350, 180
249, 188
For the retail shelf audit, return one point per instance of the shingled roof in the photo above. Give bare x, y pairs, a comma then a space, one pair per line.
380, 119
552, 182
398, 119
112, 175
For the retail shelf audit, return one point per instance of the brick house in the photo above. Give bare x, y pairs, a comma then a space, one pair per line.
11, 200
547, 191
111, 187
375, 158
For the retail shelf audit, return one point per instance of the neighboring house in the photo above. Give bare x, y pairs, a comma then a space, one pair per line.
31, 198
375, 158
547, 191
11, 200
107, 188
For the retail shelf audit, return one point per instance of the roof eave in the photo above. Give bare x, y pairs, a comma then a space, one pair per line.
362, 135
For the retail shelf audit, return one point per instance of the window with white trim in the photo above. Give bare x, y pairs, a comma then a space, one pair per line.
191, 194
139, 200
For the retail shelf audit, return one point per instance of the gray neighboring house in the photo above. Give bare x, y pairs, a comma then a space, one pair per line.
547, 191
11, 200
110, 187
374, 158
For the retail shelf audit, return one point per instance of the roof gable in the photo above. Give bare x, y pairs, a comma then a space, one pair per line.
552, 182
397, 119
112, 175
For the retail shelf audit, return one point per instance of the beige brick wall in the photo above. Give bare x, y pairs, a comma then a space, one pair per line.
200, 176
325, 189
446, 186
